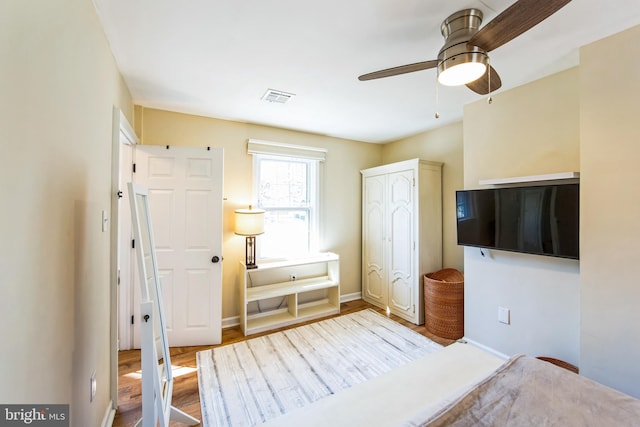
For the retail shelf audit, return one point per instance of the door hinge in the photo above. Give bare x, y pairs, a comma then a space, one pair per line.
132, 319
414, 181
133, 167
414, 309
118, 277
133, 243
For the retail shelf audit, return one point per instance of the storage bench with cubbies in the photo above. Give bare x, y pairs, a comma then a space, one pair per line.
282, 293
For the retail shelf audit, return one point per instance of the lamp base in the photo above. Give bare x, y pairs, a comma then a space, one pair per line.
250, 251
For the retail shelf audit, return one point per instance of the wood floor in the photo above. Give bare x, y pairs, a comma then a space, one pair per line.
185, 388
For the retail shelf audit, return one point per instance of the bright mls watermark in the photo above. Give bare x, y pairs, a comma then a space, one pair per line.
34, 415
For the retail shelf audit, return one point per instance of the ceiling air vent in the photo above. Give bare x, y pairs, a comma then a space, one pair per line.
278, 96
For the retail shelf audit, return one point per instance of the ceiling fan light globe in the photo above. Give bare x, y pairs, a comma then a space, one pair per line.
461, 74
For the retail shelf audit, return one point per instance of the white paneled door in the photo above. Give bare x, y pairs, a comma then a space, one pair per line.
402, 242
185, 200
375, 233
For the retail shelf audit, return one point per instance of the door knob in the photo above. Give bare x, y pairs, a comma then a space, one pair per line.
215, 259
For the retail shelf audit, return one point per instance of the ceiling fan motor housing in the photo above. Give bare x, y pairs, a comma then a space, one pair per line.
457, 29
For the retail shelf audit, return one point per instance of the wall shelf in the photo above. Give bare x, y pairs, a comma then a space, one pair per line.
304, 289
531, 178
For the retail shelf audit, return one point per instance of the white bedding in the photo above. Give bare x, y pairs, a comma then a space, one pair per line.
423, 386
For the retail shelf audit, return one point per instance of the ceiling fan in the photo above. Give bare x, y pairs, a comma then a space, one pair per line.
463, 59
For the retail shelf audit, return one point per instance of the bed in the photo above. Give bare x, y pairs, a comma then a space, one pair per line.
462, 385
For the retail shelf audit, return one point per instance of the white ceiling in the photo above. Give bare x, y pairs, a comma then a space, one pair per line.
217, 58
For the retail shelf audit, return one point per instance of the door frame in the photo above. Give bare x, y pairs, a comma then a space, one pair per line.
120, 127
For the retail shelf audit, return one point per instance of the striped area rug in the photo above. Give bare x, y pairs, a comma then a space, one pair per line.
249, 382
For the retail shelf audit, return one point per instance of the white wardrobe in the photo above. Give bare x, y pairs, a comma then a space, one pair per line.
401, 234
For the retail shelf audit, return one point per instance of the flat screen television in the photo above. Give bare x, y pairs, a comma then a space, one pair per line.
542, 220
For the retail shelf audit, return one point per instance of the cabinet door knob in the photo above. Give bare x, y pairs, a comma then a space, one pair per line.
215, 259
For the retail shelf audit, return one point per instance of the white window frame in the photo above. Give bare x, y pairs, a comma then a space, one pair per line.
314, 157
312, 191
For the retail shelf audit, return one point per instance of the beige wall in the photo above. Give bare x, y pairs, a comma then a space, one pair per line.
59, 84
441, 145
584, 119
341, 186
529, 130
610, 210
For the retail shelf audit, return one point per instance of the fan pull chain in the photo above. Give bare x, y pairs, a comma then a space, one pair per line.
437, 115
490, 99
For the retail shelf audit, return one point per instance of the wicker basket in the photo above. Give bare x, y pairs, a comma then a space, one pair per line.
444, 303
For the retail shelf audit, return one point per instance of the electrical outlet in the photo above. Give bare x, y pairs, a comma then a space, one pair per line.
94, 386
504, 315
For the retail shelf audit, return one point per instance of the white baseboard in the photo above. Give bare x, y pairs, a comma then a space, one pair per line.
350, 297
109, 415
230, 322
485, 348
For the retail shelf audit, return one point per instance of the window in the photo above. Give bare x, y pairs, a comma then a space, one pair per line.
287, 186
464, 206
287, 189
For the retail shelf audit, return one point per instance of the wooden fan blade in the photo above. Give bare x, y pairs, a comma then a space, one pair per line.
402, 69
481, 85
513, 21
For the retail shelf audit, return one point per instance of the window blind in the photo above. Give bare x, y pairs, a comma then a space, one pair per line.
256, 146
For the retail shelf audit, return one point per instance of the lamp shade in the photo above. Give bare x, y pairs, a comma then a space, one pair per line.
462, 73
462, 69
249, 222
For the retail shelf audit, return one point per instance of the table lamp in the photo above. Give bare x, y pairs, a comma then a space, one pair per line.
250, 223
